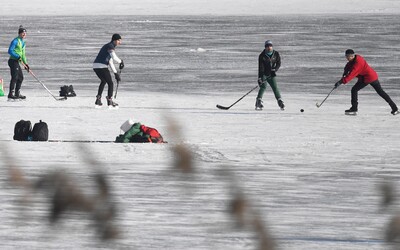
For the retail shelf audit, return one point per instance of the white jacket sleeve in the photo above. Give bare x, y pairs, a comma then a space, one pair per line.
112, 66
115, 57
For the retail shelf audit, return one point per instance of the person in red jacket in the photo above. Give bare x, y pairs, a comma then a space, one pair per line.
358, 67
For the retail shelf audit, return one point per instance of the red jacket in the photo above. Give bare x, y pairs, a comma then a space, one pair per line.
359, 68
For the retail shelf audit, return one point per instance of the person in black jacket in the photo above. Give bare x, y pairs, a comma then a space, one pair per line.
269, 63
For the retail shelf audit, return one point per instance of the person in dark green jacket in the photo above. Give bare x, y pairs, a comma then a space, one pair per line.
134, 134
17, 55
269, 62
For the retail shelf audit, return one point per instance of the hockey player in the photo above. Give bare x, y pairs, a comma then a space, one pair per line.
269, 62
105, 59
358, 67
17, 54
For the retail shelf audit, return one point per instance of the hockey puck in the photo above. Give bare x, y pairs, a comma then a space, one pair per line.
301, 110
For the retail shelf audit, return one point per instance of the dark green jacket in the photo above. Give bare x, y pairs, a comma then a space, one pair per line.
128, 135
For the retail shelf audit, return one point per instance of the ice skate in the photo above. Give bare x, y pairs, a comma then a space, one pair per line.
281, 104
259, 105
351, 111
111, 104
98, 102
395, 112
12, 97
20, 96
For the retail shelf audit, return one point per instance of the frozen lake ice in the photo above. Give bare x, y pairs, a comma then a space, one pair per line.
312, 177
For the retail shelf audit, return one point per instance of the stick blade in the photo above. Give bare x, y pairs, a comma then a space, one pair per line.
318, 105
222, 107
62, 98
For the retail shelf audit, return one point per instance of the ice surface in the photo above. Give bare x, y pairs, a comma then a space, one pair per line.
312, 176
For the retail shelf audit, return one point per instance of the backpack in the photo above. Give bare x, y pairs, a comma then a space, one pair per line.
22, 130
40, 131
154, 135
67, 91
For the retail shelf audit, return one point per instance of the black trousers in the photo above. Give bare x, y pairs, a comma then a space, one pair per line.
105, 77
377, 86
16, 75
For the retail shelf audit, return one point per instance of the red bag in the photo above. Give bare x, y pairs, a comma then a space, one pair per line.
154, 135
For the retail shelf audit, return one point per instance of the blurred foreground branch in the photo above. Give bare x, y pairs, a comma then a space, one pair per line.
240, 208
66, 195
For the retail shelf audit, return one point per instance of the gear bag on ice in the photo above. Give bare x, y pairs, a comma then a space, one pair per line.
40, 131
153, 134
22, 130
67, 91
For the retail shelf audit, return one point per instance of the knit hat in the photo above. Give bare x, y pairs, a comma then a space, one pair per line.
268, 42
349, 52
116, 37
21, 29
127, 125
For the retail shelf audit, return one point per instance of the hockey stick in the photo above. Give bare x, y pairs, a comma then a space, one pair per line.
226, 108
44, 86
320, 104
116, 90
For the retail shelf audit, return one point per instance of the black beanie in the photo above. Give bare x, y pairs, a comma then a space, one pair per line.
21, 29
116, 37
349, 52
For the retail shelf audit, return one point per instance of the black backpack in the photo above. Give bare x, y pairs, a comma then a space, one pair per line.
22, 130
67, 91
40, 131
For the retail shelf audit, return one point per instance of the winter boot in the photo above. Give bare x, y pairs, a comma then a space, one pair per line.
20, 96
98, 100
351, 111
110, 102
11, 96
281, 104
259, 105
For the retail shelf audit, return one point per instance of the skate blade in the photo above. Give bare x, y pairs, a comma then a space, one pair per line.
350, 113
396, 113
258, 109
98, 106
113, 108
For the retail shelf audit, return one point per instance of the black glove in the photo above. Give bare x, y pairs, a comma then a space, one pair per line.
121, 65
260, 82
117, 77
338, 83
27, 67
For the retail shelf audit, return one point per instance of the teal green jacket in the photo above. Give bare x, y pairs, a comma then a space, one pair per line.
126, 137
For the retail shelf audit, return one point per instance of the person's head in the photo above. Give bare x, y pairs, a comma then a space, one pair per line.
21, 32
268, 45
116, 39
350, 55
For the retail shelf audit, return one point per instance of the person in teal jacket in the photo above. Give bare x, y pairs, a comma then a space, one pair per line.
17, 55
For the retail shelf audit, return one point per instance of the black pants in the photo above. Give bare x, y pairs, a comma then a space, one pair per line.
105, 77
377, 86
16, 75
